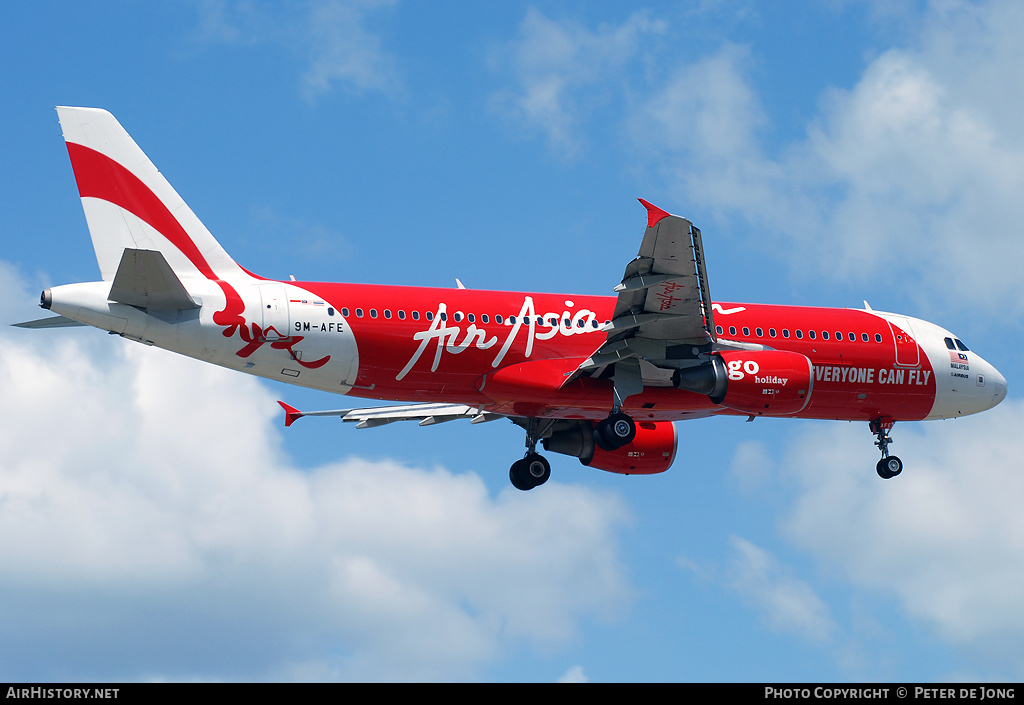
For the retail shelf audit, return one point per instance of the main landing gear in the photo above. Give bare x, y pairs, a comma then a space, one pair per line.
533, 469
889, 466
614, 432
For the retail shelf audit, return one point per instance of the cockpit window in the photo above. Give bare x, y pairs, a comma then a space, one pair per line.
961, 346
949, 343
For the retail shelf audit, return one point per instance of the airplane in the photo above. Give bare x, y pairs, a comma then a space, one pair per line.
601, 378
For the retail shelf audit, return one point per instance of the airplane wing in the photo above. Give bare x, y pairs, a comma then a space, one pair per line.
663, 316
426, 414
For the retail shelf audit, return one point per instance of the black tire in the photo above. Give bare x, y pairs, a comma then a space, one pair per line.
622, 428
601, 436
515, 476
888, 468
614, 432
895, 465
530, 472
536, 469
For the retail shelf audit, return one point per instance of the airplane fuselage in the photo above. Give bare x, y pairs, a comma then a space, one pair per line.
509, 352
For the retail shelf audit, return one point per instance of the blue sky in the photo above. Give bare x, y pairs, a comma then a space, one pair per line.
157, 522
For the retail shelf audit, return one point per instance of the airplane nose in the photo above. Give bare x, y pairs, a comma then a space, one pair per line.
998, 386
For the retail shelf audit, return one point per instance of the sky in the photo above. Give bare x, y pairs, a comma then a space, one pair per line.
158, 522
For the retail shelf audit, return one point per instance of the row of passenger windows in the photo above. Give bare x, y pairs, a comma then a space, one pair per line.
458, 317
811, 334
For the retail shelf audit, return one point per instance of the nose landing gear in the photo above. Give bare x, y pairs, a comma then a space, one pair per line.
889, 466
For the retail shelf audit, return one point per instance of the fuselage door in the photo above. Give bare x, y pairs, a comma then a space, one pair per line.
274, 304
908, 353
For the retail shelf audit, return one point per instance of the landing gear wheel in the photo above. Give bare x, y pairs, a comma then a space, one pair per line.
614, 432
888, 468
514, 476
537, 469
530, 472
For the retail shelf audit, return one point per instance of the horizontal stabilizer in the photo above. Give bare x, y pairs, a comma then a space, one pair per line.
51, 322
144, 279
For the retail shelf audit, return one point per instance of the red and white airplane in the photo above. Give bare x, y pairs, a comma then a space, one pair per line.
599, 378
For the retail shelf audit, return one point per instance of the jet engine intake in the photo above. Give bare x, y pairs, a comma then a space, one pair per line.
766, 382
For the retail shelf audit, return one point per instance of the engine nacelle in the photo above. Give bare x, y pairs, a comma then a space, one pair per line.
651, 451
756, 382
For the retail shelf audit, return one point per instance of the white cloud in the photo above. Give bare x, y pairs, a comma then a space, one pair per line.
701, 127
332, 34
785, 602
945, 539
562, 70
910, 178
573, 675
152, 526
342, 50
753, 467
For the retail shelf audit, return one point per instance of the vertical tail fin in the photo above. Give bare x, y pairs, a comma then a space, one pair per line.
129, 204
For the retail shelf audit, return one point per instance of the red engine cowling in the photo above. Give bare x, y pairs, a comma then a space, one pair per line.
765, 382
651, 451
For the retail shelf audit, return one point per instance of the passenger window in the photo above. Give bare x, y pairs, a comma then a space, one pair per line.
401, 315
785, 332
771, 332
878, 338
471, 318
864, 337
429, 315
344, 311
746, 331
853, 337
359, 313
415, 315
373, 313
387, 313
484, 317
457, 316
759, 332
732, 330
718, 329
799, 334
497, 318
824, 335
811, 334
